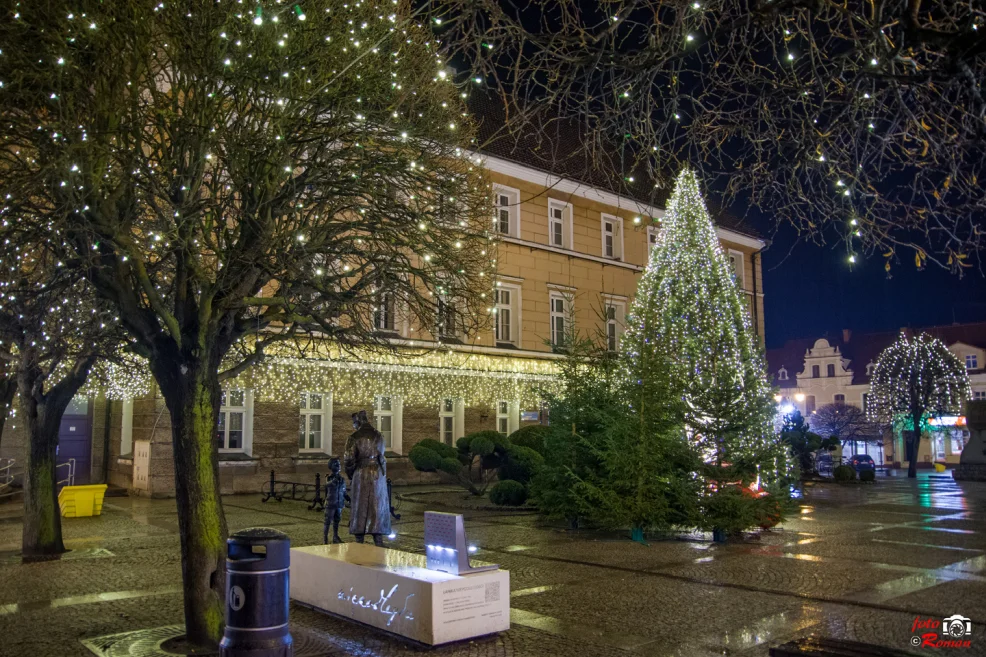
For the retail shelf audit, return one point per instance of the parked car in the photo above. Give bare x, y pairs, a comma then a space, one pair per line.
824, 465
861, 462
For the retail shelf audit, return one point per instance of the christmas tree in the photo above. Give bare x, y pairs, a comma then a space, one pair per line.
689, 324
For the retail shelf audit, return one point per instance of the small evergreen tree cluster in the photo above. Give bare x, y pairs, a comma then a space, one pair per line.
678, 429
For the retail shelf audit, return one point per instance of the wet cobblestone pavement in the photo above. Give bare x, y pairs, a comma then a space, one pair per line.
858, 562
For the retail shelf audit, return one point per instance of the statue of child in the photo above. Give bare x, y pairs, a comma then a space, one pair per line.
335, 499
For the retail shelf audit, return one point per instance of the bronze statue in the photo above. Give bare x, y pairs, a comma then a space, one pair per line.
367, 470
335, 500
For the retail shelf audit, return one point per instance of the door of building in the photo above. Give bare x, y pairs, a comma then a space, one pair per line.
75, 442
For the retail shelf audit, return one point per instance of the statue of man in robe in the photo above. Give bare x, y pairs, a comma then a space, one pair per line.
367, 469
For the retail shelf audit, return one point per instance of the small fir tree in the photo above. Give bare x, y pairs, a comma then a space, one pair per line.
916, 379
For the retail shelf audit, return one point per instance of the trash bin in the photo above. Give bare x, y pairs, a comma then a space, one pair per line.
257, 566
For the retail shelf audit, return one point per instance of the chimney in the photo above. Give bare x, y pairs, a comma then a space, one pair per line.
846, 334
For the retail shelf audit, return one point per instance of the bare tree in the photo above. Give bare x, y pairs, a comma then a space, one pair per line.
846, 423
862, 121
52, 330
231, 176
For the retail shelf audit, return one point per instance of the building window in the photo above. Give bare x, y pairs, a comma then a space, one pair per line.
384, 313
448, 324
809, 404
866, 403
830, 370
503, 417
451, 420
815, 372
652, 233
507, 314
560, 310
127, 428
979, 394
971, 362
782, 374
736, 264
869, 368
232, 432
559, 224
612, 229
314, 422
507, 202
839, 399
387, 417
615, 313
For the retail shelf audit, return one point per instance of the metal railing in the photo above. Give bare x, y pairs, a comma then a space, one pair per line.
70, 479
7, 477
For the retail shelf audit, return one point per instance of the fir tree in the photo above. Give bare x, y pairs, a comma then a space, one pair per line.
689, 325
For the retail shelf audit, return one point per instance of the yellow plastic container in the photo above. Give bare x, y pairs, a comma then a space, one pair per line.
81, 501
939, 467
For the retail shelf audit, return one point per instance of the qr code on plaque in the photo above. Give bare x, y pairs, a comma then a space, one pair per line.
493, 591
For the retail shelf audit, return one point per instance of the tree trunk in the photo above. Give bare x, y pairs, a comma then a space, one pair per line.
914, 446
191, 391
42, 536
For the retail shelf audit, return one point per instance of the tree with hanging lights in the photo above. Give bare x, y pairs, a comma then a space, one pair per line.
688, 316
858, 119
915, 379
231, 177
52, 331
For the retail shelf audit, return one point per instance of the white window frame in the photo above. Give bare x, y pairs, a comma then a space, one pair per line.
565, 221
396, 415
247, 410
513, 210
127, 428
972, 361
617, 236
507, 415
451, 419
836, 400
738, 271
514, 323
325, 415
616, 325
979, 395
653, 233
782, 374
565, 315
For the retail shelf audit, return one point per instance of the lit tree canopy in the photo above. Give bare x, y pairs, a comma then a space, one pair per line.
230, 175
917, 377
688, 316
845, 422
862, 120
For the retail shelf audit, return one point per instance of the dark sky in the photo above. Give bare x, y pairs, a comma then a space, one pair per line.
813, 290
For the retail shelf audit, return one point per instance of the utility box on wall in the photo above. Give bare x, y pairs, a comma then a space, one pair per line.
142, 465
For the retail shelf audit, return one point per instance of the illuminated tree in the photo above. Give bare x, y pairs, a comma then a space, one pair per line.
52, 330
688, 316
859, 119
917, 378
228, 177
845, 423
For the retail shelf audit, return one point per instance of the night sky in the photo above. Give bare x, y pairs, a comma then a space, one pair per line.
812, 291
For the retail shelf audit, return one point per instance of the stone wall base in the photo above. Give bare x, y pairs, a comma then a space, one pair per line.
969, 472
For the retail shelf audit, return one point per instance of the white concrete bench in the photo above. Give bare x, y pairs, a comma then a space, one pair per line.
395, 592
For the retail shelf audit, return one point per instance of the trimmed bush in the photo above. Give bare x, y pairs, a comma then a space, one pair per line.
443, 450
531, 436
508, 493
424, 459
522, 464
481, 446
867, 475
844, 473
450, 466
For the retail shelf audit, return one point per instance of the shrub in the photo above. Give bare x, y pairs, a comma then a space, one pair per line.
451, 466
443, 450
844, 473
424, 458
508, 493
481, 446
867, 475
521, 465
531, 436
730, 511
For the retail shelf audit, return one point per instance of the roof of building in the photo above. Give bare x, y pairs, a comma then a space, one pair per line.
568, 148
864, 348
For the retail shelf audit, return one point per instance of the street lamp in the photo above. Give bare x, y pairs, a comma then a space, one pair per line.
800, 396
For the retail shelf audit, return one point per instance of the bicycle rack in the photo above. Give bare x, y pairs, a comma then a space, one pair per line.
70, 479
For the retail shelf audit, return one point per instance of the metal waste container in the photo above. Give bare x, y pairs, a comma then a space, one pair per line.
258, 561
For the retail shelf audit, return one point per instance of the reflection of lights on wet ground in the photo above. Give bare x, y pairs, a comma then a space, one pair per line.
805, 510
392, 535
472, 548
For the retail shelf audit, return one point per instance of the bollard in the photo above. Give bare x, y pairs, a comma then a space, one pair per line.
258, 561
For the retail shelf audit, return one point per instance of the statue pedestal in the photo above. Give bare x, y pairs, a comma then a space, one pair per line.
972, 463
395, 592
